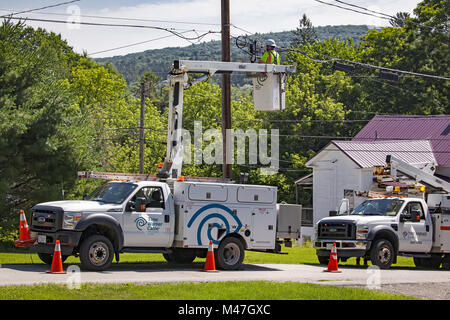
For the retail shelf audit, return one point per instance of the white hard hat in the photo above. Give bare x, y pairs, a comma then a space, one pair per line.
271, 42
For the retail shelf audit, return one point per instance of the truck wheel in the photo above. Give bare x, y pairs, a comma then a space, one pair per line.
323, 260
96, 253
230, 254
47, 258
382, 253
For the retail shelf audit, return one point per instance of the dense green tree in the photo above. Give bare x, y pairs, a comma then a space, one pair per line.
39, 155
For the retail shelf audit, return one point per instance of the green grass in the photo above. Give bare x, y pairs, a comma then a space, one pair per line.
296, 255
249, 290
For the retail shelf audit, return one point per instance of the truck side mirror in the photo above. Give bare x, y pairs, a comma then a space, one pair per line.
333, 213
140, 205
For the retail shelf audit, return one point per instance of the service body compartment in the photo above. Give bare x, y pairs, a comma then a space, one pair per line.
210, 211
441, 232
289, 221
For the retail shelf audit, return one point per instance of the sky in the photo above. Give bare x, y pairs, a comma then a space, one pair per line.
184, 16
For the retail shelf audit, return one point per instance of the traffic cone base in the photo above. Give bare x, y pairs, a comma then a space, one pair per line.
210, 264
25, 239
333, 262
57, 266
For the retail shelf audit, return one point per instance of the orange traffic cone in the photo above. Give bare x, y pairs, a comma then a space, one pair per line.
25, 239
57, 266
210, 265
333, 263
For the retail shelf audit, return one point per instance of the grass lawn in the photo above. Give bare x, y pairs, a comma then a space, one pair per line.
296, 255
245, 290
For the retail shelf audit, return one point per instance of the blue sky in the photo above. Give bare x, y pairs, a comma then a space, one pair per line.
202, 15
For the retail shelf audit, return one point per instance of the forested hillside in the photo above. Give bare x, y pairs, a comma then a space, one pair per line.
132, 66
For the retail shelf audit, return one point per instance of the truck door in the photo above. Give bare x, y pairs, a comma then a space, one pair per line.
152, 228
415, 229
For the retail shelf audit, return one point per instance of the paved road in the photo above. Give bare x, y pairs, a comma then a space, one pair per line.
392, 280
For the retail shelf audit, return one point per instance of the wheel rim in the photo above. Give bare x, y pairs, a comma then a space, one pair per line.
384, 255
98, 253
231, 254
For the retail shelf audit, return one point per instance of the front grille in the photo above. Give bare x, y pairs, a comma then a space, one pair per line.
337, 230
45, 219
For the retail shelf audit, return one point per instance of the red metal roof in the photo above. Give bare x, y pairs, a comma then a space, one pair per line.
434, 128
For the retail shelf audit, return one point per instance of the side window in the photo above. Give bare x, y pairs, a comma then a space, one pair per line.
153, 196
415, 209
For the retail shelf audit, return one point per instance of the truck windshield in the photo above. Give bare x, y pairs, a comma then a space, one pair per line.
112, 192
381, 207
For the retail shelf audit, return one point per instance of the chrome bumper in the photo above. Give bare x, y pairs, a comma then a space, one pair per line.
341, 244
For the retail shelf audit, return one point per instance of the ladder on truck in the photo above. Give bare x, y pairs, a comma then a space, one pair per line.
269, 82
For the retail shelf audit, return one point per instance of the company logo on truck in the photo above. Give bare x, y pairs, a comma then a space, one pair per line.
219, 212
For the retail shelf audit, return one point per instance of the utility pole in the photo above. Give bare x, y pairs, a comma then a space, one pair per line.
141, 130
226, 88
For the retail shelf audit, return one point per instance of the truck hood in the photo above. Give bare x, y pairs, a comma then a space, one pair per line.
358, 219
82, 206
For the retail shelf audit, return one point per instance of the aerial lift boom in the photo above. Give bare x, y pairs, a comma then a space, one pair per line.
178, 81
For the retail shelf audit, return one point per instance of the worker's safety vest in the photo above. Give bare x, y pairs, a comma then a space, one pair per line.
273, 58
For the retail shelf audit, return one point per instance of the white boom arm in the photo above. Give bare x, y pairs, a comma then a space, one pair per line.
178, 81
418, 174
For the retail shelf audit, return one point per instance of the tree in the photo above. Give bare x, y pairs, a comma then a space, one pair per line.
39, 155
305, 33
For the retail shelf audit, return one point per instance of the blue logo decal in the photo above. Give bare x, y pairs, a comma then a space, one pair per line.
217, 215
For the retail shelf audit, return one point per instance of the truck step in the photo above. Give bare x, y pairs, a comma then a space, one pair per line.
146, 250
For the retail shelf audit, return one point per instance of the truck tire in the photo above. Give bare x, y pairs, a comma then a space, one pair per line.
230, 254
96, 253
382, 253
47, 258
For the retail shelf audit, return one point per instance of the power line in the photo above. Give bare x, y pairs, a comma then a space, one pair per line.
366, 65
135, 44
41, 8
391, 17
171, 30
127, 19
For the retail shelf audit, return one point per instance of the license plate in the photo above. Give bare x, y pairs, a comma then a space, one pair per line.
42, 238
329, 246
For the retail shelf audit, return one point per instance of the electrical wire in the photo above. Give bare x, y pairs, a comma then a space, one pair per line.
134, 44
126, 19
171, 30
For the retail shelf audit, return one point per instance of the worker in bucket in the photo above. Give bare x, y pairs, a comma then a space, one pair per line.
270, 56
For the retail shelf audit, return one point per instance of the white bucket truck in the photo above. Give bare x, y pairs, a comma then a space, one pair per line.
168, 213
398, 221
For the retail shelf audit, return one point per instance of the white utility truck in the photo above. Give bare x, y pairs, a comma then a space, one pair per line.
394, 220
168, 213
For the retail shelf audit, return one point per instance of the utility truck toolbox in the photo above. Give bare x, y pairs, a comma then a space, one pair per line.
209, 212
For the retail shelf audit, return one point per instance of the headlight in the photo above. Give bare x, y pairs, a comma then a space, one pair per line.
71, 219
362, 232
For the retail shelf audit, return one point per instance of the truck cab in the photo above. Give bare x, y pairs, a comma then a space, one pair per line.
115, 216
379, 230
